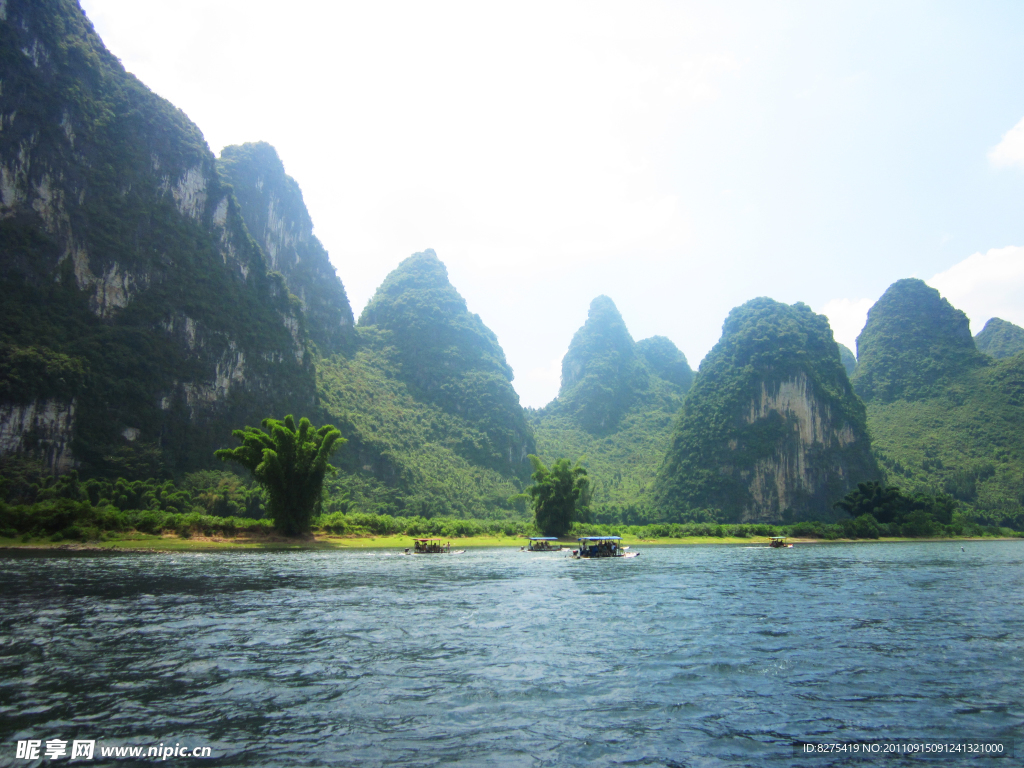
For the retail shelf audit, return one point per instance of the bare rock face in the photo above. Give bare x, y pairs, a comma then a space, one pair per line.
40, 427
792, 474
771, 430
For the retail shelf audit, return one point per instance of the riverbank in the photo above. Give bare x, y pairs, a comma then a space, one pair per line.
139, 542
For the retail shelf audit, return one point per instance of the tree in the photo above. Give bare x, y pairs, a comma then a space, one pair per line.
884, 503
290, 463
916, 514
559, 493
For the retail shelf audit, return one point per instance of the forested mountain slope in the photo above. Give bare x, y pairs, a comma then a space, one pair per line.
943, 417
271, 204
771, 430
616, 408
140, 321
143, 322
848, 358
405, 454
913, 345
426, 401
1000, 339
449, 358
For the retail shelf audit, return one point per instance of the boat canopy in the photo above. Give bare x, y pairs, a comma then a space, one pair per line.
429, 539
778, 538
542, 538
600, 538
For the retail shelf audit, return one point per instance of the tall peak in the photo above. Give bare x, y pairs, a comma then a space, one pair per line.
450, 358
1000, 339
276, 216
912, 342
602, 345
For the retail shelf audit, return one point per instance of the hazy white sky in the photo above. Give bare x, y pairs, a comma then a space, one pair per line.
681, 158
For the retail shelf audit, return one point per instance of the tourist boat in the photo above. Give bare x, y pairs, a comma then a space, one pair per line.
542, 544
778, 542
592, 547
433, 547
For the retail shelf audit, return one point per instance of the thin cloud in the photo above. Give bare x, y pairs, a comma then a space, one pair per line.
986, 285
1009, 151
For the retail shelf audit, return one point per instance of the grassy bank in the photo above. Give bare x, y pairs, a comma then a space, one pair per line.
66, 522
133, 541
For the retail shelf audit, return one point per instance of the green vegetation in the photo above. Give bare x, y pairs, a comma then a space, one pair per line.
1000, 339
599, 370
447, 357
103, 275
290, 463
65, 521
37, 508
405, 455
560, 495
967, 441
622, 465
944, 418
913, 345
666, 361
616, 408
879, 510
271, 204
848, 359
725, 455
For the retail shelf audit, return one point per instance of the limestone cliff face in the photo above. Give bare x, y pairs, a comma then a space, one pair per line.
42, 427
122, 249
771, 430
275, 214
793, 475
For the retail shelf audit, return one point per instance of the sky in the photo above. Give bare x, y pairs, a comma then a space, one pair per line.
681, 158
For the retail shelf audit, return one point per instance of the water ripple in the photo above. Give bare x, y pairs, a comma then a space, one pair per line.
696, 656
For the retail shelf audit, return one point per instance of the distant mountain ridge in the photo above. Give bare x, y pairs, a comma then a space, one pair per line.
1000, 339
615, 410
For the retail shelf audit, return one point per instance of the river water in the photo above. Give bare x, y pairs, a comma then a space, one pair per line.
684, 656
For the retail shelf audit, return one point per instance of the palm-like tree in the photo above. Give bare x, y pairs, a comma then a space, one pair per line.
290, 463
